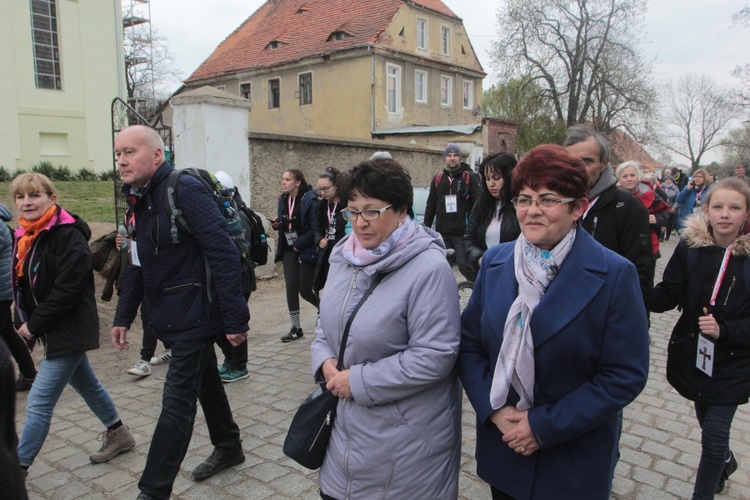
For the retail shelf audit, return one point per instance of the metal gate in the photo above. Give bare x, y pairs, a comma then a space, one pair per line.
123, 116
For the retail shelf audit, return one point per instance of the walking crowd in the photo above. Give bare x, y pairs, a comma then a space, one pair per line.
561, 248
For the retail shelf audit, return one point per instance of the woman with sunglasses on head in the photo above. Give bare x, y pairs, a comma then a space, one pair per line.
330, 225
554, 343
397, 429
295, 222
493, 219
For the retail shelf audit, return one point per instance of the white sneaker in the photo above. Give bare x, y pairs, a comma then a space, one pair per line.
162, 358
140, 369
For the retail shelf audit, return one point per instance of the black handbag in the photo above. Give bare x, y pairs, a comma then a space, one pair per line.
307, 440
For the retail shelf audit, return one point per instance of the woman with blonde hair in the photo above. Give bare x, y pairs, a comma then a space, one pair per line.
691, 197
54, 288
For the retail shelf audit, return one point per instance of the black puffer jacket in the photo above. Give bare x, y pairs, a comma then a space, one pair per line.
688, 280
475, 243
57, 288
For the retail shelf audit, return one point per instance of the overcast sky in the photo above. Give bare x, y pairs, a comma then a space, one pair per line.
685, 35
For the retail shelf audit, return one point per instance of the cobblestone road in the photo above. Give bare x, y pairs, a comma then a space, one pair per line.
660, 444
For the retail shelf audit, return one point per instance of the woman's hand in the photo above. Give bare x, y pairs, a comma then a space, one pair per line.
323, 243
651, 219
329, 369
520, 438
708, 325
499, 418
25, 333
339, 385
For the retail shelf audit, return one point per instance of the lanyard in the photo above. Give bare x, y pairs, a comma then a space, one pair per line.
720, 277
290, 203
331, 212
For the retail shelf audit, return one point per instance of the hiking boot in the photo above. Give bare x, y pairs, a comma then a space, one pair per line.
162, 358
223, 368
140, 369
294, 334
114, 442
23, 384
230, 376
729, 468
218, 461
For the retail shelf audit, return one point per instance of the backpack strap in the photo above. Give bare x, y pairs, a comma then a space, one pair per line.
174, 211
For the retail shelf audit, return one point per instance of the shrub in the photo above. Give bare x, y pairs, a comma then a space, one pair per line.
108, 175
62, 173
86, 175
44, 168
5, 176
18, 172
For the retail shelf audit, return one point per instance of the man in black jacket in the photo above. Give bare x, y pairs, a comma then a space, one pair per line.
615, 218
453, 192
186, 306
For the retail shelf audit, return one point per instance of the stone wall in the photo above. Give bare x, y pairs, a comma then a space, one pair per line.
272, 154
499, 135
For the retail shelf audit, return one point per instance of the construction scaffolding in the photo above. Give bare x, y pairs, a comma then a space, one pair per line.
139, 56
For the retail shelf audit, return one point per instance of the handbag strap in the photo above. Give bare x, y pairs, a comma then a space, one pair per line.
348, 326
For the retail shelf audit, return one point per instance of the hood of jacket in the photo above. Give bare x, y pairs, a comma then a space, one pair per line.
5, 213
697, 234
423, 239
605, 181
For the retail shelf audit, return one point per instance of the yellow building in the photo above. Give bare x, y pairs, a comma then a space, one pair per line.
394, 70
62, 65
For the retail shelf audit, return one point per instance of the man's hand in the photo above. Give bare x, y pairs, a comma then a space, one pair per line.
236, 338
118, 337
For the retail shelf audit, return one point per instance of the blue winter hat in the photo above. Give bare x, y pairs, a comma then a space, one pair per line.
451, 148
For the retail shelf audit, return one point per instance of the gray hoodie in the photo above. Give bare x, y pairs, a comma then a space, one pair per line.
400, 435
6, 250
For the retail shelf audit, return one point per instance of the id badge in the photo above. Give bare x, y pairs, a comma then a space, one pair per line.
704, 361
331, 236
133, 253
291, 237
451, 204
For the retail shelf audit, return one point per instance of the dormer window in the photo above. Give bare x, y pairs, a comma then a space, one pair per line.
274, 44
338, 35
303, 9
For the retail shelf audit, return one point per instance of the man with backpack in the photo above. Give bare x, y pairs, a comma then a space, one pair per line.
453, 192
193, 292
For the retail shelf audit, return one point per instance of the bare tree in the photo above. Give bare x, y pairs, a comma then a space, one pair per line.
696, 112
737, 147
585, 57
150, 68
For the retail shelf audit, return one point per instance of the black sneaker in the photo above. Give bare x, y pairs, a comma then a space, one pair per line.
23, 384
294, 334
729, 468
218, 461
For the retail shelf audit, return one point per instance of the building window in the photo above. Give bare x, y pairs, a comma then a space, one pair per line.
337, 35
305, 88
445, 40
221, 87
274, 93
420, 86
468, 95
394, 88
46, 46
446, 91
246, 90
422, 34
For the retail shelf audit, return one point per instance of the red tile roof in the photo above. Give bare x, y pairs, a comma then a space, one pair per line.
302, 28
625, 148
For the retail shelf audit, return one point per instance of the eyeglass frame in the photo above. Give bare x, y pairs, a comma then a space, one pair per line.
347, 213
324, 189
557, 201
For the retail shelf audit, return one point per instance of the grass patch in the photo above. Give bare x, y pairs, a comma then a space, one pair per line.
93, 201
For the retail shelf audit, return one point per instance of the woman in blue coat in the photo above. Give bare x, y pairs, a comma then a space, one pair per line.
554, 343
296, 249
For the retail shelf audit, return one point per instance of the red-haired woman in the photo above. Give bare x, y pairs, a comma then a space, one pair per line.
554, 343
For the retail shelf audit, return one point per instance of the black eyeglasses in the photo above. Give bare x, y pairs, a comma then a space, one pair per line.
524, 202
368, 215
324, 189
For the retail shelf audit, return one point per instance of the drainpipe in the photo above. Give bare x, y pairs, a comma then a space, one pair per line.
372, 89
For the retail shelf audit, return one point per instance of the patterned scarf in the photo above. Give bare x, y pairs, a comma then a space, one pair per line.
31, 229
535, 270
356, 254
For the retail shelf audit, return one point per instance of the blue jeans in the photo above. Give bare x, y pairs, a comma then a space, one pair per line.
192, 376
715, 422
54, 374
